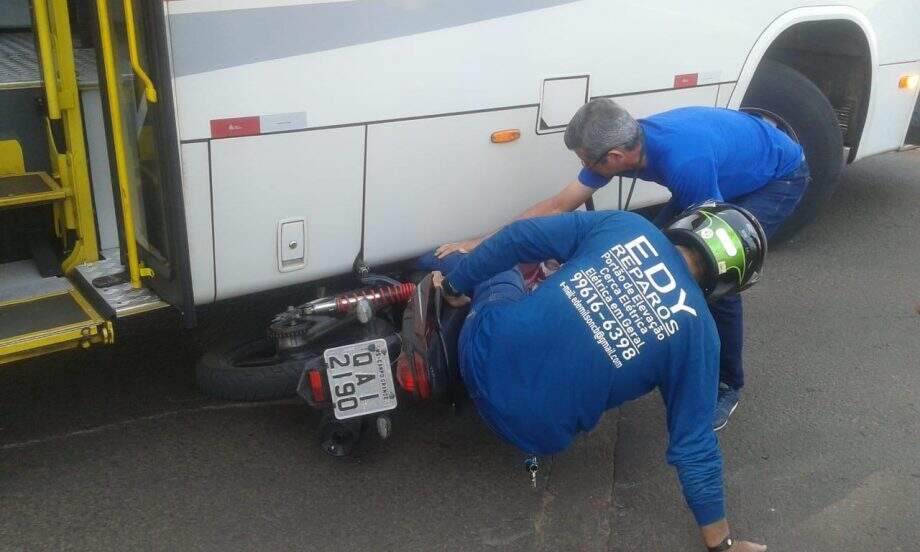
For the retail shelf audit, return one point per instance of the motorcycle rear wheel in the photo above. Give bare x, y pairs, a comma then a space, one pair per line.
254, 370
249, 371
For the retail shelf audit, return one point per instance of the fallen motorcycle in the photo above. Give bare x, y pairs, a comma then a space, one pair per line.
340, 354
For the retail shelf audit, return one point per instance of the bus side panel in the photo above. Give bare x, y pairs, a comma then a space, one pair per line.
358, 62
893, 109
431, 181
895, 23
263, 182
196, 193
435, 180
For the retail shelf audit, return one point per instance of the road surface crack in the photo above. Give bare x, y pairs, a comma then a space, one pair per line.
612, 502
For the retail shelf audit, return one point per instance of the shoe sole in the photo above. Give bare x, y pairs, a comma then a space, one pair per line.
730, 412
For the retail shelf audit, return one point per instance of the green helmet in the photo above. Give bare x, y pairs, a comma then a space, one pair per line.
730, 240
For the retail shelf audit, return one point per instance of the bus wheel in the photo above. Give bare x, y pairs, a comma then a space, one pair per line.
248, 371
793, 103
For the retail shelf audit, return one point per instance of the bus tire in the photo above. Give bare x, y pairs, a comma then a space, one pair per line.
229, 373
781, 90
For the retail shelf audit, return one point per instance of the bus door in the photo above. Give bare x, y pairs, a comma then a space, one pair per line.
143, 150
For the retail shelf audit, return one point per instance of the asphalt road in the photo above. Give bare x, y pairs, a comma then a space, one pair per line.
116, 449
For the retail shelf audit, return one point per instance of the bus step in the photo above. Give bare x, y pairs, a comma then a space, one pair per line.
30, 188
50, 322
21, 68
106, 284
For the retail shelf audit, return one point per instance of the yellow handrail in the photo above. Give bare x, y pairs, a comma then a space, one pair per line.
43, 26
118, 142
149, 90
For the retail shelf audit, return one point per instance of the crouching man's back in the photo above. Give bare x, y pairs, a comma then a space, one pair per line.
622, 316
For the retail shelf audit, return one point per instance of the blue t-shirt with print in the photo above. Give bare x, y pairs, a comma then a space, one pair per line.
621, 317
702, 153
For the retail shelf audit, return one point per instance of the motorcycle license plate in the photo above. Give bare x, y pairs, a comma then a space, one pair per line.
360, 379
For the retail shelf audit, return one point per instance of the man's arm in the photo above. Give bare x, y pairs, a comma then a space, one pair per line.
524, 241
689, 391
573, 196
568, 199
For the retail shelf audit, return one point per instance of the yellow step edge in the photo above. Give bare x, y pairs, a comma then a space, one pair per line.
54, 192
95, 329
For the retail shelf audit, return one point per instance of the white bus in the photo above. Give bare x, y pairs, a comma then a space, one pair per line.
184, 152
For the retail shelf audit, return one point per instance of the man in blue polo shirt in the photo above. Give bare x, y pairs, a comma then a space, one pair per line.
698, 153
625, 314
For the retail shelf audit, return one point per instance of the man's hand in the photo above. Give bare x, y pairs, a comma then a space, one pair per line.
459, 301
457, 247
715, 533
745, 546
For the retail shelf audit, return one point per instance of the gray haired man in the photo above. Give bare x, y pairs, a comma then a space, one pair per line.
698, 153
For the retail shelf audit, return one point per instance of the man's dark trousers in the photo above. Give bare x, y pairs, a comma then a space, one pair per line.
772, 205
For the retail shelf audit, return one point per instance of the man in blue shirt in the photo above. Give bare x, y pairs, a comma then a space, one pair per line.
698, 153
625, 314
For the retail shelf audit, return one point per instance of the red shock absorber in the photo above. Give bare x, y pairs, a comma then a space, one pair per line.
378, 296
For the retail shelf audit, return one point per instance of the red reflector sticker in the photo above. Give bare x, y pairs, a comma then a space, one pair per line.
237, 126
684, 81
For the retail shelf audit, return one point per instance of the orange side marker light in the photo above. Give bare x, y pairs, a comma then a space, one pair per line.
505, 136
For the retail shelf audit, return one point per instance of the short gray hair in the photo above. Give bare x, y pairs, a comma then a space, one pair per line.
600, 126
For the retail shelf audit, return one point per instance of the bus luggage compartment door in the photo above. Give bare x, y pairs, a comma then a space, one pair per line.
441, 179
262, 184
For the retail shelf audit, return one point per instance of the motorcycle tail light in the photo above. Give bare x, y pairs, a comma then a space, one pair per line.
404, 375
413, 377
316, 386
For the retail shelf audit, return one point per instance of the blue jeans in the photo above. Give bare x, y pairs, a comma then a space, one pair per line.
772, 205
